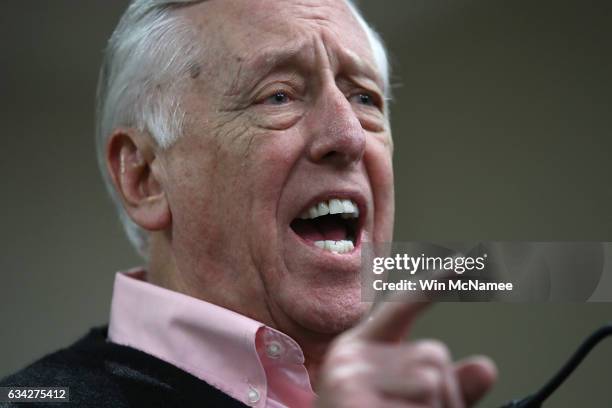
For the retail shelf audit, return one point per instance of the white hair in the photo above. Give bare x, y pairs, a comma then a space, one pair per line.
140, 82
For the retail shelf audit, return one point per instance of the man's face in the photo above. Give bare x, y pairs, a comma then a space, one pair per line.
284, 112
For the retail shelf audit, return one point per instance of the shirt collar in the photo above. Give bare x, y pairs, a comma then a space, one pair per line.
236, 354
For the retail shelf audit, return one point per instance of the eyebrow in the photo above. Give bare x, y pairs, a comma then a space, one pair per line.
273, 59
252, 70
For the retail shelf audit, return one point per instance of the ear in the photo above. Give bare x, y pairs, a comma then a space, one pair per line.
134, 168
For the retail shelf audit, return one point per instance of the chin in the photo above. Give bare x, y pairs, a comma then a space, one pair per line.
325, 310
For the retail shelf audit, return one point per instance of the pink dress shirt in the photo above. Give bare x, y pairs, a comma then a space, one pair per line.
241, 357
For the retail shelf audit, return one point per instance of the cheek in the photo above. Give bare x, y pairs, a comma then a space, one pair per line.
193, 196
201, 191
271, 162
379, 166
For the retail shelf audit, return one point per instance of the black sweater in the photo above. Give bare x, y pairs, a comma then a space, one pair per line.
104, 374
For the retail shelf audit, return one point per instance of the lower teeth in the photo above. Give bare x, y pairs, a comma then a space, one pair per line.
337, 247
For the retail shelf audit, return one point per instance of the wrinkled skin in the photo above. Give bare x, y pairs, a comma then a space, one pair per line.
285, 106
248, 163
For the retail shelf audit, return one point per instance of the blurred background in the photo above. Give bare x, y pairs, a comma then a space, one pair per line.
502, 128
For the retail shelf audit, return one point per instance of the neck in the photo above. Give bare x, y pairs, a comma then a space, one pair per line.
163, 271
314, 344
313, 359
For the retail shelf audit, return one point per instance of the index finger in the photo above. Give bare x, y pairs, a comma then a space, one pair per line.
392, 320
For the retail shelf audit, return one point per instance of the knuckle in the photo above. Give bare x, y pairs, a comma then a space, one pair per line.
430, 380
346, 364
346, 352
347, 378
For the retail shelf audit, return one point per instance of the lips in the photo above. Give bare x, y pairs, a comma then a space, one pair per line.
330, 224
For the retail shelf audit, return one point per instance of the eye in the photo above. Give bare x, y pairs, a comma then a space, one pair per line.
364, 98
277, 98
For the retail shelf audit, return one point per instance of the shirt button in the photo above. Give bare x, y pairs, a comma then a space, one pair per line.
253, 395
274, 349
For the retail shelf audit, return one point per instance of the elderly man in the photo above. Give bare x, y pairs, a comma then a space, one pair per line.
248, 146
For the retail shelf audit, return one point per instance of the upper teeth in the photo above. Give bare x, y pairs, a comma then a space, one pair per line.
347, 208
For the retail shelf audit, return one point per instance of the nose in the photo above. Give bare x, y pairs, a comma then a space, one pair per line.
336, 135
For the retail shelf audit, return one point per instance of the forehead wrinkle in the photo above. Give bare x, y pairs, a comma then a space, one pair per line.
344, 60
319, 15
358, 66
300, 54
314, 19
318, 11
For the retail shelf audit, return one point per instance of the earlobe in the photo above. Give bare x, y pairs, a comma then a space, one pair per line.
130, 161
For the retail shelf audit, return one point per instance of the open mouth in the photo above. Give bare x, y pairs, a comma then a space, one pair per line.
332, 225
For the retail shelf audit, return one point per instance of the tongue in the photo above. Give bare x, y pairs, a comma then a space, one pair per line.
327, 228
331, 227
